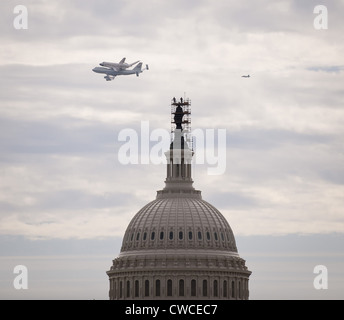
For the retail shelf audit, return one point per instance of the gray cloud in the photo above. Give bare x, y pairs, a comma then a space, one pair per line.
59, 136
232, 199
60, 122
330, 69
66, 200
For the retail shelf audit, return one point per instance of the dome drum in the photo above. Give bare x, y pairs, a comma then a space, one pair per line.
179, 284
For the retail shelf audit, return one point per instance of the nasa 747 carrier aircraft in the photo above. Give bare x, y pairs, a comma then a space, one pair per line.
117, 69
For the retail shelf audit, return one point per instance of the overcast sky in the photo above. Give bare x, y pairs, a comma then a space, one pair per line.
61, 182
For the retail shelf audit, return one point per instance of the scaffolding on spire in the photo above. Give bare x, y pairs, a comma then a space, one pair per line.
185, 104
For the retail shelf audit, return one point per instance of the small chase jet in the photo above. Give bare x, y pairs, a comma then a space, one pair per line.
246, 76
111, 73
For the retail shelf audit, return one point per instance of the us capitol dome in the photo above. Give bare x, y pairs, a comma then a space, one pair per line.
179, 246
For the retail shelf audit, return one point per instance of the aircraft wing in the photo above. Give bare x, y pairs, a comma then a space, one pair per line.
116, 68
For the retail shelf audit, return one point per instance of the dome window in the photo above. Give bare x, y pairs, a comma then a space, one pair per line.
132, 237
222, 237
199, 235
120, 289
225, 289
205, 288
193, 288
233, 289
146, 288
171, 235
138, 236
128, 289
157, 288
169, 288
161, 235
208, 236
215, 235
180, 235
153, 235
136, 288
181, 288
190, 235
216, 289
145, 236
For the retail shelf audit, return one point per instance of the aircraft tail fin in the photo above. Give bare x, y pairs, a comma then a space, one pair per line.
138, 67
122, 61
130, 65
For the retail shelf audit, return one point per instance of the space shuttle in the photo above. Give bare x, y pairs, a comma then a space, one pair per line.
122, 65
